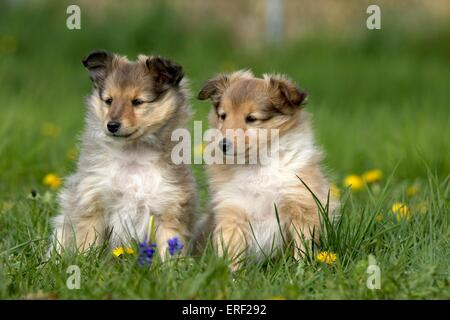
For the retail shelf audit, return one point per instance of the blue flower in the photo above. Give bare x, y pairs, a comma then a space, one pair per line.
146, 252
175, 246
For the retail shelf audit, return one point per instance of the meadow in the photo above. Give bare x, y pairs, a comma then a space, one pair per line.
380, 104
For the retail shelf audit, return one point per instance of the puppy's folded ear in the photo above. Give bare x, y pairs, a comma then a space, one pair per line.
164, 71
99, 65
284, 93
214, 87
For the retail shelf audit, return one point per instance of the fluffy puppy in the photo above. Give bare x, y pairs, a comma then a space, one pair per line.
124, 172
243, 219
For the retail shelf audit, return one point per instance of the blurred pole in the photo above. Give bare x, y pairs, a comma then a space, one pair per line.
274, 21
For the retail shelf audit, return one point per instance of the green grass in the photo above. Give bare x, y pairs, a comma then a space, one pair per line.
379, 100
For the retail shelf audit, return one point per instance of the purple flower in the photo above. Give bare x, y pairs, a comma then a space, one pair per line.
175, 246
146, 252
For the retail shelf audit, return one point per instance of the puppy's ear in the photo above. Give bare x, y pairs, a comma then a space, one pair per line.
285, 94
164, 71
214, 87
99, 65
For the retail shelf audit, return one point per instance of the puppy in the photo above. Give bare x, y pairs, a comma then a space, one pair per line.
125, 173
243, 218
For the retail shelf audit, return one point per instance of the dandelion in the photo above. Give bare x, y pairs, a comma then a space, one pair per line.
51, 130
326, 257
411, 191
119, 251
401, 210
354, 182
372, 176
52, 180
335, 191
175, 246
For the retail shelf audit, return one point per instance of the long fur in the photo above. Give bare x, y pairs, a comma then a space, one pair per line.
242, 220
119, 183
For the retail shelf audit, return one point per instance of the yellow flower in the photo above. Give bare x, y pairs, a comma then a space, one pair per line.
129, 250
52, 180
411, 191
326, 257
335, 191
401, 210
118, 251
50, 130
372, 176
354, 182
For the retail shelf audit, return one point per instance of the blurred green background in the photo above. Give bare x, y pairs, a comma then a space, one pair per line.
379, 97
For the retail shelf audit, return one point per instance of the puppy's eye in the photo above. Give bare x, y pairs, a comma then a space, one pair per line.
136, 102
222, 116
109, 101
250, 119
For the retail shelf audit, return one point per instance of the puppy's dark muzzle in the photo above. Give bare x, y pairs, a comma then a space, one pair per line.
113, 126
225, 145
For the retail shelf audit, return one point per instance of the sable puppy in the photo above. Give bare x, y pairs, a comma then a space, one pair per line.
125, 172
243, 220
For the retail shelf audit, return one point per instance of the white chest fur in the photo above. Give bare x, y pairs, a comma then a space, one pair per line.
131, 186
257, 189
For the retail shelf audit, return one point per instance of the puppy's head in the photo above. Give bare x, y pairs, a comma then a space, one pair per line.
132, 99
244, 102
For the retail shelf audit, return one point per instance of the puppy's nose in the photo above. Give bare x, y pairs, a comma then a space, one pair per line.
113, 126
224, 145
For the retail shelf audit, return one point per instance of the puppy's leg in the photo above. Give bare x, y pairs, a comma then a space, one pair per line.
168, 226
301, 223
81, 224
79, 233
231, 233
